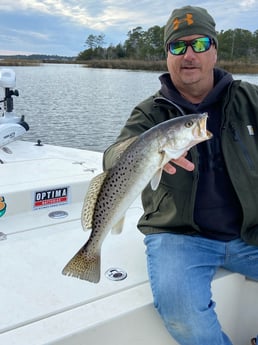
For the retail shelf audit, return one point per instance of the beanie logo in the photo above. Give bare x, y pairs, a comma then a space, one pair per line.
188, 19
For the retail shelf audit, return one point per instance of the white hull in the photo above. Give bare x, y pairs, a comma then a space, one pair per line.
41, 306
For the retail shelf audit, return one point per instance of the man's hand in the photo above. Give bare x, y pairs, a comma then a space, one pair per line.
181, 162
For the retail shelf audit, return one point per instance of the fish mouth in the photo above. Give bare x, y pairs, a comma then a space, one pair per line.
201, 129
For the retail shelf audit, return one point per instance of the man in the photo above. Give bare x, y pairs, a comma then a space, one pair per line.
204, 214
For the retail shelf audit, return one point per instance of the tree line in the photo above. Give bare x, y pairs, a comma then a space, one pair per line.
237, 44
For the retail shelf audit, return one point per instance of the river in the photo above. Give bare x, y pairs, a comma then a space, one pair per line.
70, 105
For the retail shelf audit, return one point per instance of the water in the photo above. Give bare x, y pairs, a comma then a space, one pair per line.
70, 105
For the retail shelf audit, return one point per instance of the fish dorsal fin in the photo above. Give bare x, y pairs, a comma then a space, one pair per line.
91, 199
118, 227
121, 147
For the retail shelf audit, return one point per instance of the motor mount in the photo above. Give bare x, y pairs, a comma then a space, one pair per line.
11, 126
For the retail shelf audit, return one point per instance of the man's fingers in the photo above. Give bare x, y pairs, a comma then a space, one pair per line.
170, 169
181, 162
184, 163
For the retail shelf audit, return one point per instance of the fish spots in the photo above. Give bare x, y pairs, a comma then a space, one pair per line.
112, 192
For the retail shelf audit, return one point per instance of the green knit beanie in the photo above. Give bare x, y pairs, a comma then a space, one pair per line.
187, 21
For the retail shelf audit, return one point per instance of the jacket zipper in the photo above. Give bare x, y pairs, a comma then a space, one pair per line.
237, 138
194, 155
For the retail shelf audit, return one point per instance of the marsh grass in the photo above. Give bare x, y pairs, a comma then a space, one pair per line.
235, 67
230, 66
19, 62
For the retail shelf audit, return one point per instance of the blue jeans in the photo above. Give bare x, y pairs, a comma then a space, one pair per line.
181, 269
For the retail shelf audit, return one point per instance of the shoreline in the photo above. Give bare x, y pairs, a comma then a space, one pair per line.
234, 67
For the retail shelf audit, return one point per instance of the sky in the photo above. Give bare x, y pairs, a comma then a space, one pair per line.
61, 27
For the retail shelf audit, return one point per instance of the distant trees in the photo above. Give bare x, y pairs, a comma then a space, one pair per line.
140, 45
145, 45
237, 44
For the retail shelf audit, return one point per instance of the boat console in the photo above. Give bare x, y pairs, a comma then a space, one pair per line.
11, 126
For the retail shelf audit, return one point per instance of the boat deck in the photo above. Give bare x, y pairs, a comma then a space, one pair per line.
41, 306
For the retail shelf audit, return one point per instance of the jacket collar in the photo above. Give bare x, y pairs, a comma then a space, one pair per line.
171, 96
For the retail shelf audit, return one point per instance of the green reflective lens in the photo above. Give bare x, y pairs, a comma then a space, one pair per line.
199, 45
178, 47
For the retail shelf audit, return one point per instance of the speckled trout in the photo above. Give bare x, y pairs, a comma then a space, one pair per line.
140, 161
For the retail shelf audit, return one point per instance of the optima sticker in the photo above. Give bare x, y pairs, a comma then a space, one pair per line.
51, 197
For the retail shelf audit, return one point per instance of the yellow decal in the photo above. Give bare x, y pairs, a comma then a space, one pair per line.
2, 206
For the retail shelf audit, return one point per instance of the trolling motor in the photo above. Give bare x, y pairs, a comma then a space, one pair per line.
11, 126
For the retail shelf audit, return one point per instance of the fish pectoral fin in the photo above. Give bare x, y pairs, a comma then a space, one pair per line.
156, 179
118, 227
166, 156
84, 266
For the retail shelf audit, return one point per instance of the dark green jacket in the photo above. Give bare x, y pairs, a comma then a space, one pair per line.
170, 208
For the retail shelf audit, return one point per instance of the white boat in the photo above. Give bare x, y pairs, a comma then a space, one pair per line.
42, 188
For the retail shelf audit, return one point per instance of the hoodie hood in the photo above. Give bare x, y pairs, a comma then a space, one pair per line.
222, 79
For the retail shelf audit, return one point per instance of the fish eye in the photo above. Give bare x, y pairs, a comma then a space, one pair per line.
189, 124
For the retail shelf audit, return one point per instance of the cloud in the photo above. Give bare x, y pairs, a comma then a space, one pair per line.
248, 3
30, 34
62, 26
97, 15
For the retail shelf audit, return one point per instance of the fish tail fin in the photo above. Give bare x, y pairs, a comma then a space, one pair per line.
84, 266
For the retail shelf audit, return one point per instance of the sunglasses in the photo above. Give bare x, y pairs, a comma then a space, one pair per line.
199, 45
